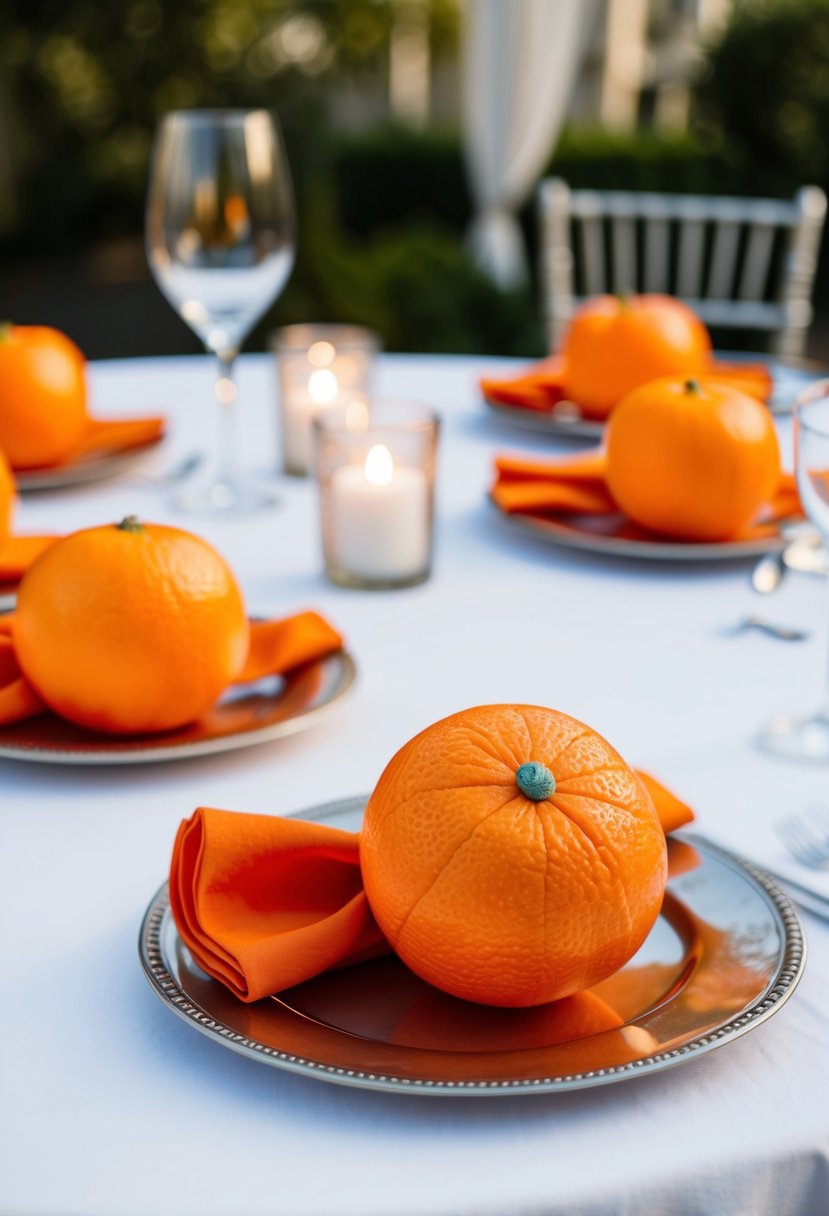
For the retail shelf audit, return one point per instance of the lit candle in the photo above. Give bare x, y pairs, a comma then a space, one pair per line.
319, 367
379, 518
299, 406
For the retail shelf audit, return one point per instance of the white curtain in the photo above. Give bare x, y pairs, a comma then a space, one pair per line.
520, 62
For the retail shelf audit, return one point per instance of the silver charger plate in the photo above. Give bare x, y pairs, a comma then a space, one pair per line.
725, 954
616, 536
247, 714
788, 379
95, 466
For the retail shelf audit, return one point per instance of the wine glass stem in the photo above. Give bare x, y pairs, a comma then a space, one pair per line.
823, 711
226, 399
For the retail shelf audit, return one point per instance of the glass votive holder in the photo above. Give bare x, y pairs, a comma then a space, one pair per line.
319, 367
376, 469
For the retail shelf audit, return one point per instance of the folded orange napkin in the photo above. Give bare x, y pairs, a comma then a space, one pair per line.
264, 903
577, 485
120, 434
542, 387
276, 647
18, 552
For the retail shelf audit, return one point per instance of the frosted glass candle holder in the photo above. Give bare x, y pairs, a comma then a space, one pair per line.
376, 471
319, 367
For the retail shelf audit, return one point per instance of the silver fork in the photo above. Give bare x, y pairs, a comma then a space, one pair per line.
806, 835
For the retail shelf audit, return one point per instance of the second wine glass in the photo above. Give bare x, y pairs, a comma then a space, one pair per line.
221, 243
807, 738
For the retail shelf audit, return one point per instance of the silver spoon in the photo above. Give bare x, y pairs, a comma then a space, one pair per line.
767, 574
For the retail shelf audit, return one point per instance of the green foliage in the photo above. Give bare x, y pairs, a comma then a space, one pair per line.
84, 83
677, 163
391, 174
413, 283
765, 86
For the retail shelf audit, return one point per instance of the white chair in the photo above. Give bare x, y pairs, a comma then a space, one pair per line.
739, 263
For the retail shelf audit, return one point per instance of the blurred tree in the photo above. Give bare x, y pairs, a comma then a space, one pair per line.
763, 93
83, 83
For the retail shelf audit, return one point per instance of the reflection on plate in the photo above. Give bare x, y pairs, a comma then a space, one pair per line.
724, 955
247, 714
8, 596
95, 466
620, 537
565, 418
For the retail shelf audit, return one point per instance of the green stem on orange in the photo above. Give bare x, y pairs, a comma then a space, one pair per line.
535, 781
130, 523
693, 387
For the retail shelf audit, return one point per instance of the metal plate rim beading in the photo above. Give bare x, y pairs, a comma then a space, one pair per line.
786, 979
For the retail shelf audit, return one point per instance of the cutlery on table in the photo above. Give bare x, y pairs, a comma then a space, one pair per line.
805, 834
784, 633
177, 472
804, 553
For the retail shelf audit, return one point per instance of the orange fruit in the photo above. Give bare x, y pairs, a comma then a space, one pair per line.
130, 627
614, 344
43, 410
8, 496
511, 856
692, 459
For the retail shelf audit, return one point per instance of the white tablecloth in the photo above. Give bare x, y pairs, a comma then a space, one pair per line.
113, 1107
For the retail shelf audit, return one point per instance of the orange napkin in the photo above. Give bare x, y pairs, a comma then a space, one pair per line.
542, 387
577, 485
119, 434
276, 647
18, 552
264, 903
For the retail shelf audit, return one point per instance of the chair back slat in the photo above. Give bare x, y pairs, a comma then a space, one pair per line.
722, 255
657, 247
692, 217
724, 258
592, 248
757, 262
623, 254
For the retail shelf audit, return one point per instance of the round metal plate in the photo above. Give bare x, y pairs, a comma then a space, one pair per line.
725, 954
95, 466
617, 536
248, 714
564, 420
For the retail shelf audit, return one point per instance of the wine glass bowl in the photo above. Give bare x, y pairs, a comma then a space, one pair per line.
807, 738
220, 243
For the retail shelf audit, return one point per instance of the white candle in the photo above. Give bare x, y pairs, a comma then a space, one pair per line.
299, 405
379, 518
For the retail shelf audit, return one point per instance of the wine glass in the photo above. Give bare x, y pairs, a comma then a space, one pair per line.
808, 738
220, 243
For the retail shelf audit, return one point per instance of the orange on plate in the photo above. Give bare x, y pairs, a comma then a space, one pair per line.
511, 856
692, 459
43, 412
613, 344
130, 627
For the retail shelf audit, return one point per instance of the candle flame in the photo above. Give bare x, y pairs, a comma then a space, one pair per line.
323, 386
379, 466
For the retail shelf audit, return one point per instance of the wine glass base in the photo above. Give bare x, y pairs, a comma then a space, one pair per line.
225, 499
797, 738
